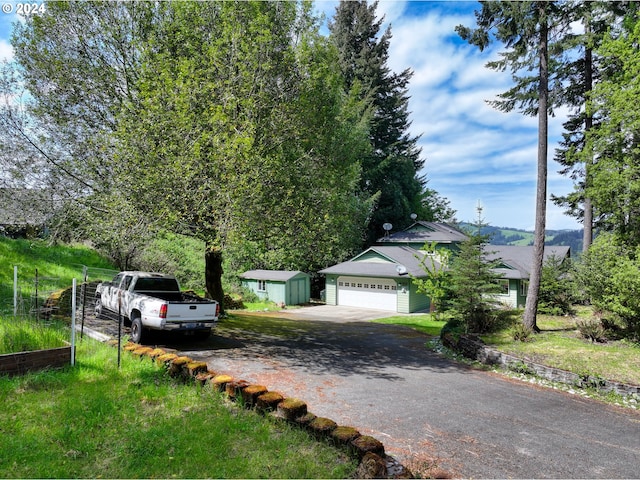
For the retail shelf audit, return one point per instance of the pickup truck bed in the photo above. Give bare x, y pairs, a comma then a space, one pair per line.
154, 301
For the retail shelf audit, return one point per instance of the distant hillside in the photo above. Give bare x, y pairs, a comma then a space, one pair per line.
514, 236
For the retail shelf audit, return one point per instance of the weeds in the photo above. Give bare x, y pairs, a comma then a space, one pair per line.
25, 335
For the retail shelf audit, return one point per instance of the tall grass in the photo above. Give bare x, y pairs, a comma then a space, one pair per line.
26, 335
96, 420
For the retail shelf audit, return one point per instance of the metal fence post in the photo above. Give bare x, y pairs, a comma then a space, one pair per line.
84, 299
119, 328
73, 323
15, 291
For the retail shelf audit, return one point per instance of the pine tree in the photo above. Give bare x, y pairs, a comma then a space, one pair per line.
473, 282
525, 28
391, 171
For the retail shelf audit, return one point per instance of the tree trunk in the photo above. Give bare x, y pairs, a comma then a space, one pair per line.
587, 222
531, 307
213, 275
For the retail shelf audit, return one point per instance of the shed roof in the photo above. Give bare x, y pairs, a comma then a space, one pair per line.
275, 275
382, 263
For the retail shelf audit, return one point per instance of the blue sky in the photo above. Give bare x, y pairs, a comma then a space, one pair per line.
473, 152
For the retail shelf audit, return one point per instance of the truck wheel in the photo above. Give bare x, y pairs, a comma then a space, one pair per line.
137, 330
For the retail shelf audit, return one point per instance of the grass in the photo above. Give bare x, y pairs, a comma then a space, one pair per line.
26, 335
560, 345
62, 263
95, 420
422, 322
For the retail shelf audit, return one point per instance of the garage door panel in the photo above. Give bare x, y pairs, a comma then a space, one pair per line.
376, 293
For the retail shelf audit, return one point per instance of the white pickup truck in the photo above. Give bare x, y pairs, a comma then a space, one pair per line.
154, 301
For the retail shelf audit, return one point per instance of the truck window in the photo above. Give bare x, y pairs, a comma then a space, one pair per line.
116, 280
126, 282
156, 285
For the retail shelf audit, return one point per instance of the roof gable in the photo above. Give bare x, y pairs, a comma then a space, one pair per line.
425, 232
382, 261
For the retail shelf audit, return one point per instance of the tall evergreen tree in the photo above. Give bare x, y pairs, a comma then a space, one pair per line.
391, 171
524, 28
581, 73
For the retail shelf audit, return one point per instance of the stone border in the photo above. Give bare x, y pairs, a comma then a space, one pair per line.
23, 362
475, 349
373, 461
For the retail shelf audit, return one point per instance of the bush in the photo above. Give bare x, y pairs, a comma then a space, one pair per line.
591, 329
609, 274
521, 333
556, 296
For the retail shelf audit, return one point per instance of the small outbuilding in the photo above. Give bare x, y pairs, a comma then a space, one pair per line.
279, 286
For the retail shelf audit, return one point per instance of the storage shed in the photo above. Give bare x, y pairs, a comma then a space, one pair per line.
279, 286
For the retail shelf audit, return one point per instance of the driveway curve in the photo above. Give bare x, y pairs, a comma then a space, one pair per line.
425, 408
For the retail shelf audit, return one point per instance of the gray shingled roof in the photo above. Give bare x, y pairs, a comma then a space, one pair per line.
275, 275
423, 232
521, 258
396, 255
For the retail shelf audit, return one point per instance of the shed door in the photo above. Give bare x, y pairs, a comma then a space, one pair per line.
379, 293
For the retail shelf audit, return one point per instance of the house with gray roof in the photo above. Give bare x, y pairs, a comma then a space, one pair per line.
516, 263
381, 276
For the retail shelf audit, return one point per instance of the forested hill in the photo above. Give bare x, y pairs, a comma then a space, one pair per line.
514, 236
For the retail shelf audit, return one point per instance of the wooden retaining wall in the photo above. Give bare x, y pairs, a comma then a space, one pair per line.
22, 362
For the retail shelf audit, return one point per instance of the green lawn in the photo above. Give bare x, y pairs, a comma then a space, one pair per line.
560, 345
136, 422
422, 322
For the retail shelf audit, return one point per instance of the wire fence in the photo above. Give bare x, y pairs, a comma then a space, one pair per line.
44, 299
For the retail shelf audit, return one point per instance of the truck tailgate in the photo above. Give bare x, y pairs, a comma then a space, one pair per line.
191, 312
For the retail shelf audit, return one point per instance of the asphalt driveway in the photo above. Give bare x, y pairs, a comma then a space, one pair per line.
382, 380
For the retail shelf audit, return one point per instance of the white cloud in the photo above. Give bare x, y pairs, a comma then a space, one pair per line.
472, 151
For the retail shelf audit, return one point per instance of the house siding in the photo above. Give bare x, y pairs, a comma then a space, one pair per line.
330, 290
419, 301
510, 299
294, 291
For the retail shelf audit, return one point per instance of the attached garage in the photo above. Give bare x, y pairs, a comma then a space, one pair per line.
378, 293
378, 278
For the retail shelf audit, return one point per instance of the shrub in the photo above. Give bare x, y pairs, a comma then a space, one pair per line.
591, 329
555, 296
521, 332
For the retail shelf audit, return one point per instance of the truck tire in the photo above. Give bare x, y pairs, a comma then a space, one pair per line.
137, 330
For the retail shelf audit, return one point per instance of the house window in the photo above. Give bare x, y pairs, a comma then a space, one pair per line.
341, 284
359, 285
386, 287
262, 285
504, 287
366, 285
524, 287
